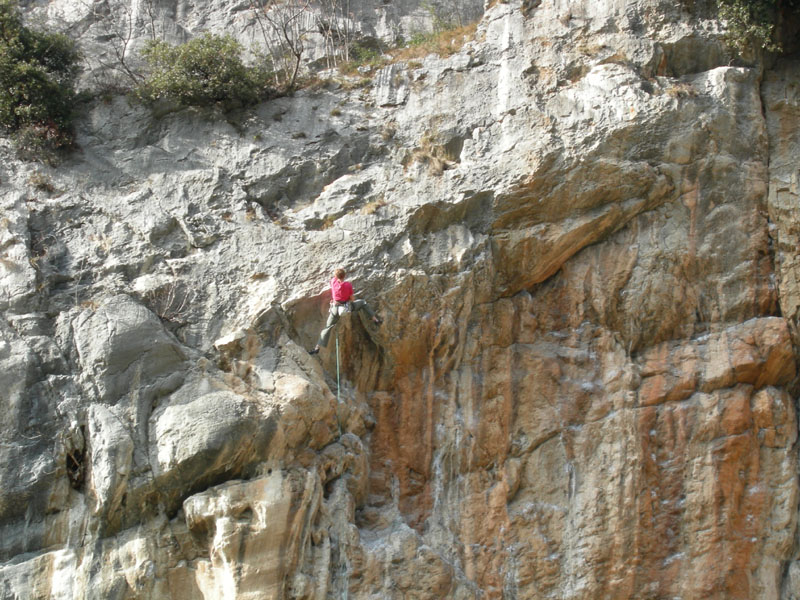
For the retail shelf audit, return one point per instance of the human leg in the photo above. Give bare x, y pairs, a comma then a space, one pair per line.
333, 318
362, 305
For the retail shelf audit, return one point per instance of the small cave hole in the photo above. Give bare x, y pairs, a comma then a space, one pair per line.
329, 488
246, 516
76, 468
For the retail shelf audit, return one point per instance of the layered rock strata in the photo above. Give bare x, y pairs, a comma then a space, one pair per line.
580, 233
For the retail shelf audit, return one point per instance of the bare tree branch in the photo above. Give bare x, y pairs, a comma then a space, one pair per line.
283, 28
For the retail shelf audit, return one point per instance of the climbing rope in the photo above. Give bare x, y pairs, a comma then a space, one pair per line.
337, 367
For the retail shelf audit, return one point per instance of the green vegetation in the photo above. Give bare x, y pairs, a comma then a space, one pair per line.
37, 77
205, 70
361, 55
751, 23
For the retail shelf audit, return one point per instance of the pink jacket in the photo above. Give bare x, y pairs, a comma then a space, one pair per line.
342, 291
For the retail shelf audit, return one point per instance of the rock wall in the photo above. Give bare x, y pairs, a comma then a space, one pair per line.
580, 233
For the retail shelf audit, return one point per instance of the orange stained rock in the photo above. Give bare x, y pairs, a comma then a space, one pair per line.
757, 352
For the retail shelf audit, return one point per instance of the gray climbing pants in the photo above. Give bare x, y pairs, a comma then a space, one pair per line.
336, 311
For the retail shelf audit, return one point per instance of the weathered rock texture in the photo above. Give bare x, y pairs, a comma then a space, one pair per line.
581, 232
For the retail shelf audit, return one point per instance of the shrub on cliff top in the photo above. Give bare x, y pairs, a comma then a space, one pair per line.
751, 23
203, 71
37, 76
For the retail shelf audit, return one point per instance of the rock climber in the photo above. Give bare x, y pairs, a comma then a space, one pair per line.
342, 302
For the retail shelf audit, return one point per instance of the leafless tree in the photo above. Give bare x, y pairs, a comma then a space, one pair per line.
284, 28
335, 24
149, 8
122, 33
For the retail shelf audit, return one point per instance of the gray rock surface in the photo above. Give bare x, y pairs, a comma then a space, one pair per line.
579, 230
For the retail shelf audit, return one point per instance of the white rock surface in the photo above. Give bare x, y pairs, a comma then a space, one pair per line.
579, 230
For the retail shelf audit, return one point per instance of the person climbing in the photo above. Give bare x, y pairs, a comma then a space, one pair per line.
342, 302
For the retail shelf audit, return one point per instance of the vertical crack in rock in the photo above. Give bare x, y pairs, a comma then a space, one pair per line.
779, 97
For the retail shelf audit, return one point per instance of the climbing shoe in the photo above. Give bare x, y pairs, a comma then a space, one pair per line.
377, 320
314, 351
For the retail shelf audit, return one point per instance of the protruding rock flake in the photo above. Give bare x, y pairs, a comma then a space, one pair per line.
578, 223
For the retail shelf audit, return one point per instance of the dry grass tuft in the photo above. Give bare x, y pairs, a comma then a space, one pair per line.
372, 207
681, 90
41, 182
431, 153
445, 43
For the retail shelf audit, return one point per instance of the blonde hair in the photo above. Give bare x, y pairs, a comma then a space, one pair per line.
339, 274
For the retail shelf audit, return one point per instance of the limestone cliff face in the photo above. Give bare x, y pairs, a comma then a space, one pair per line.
581, 233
